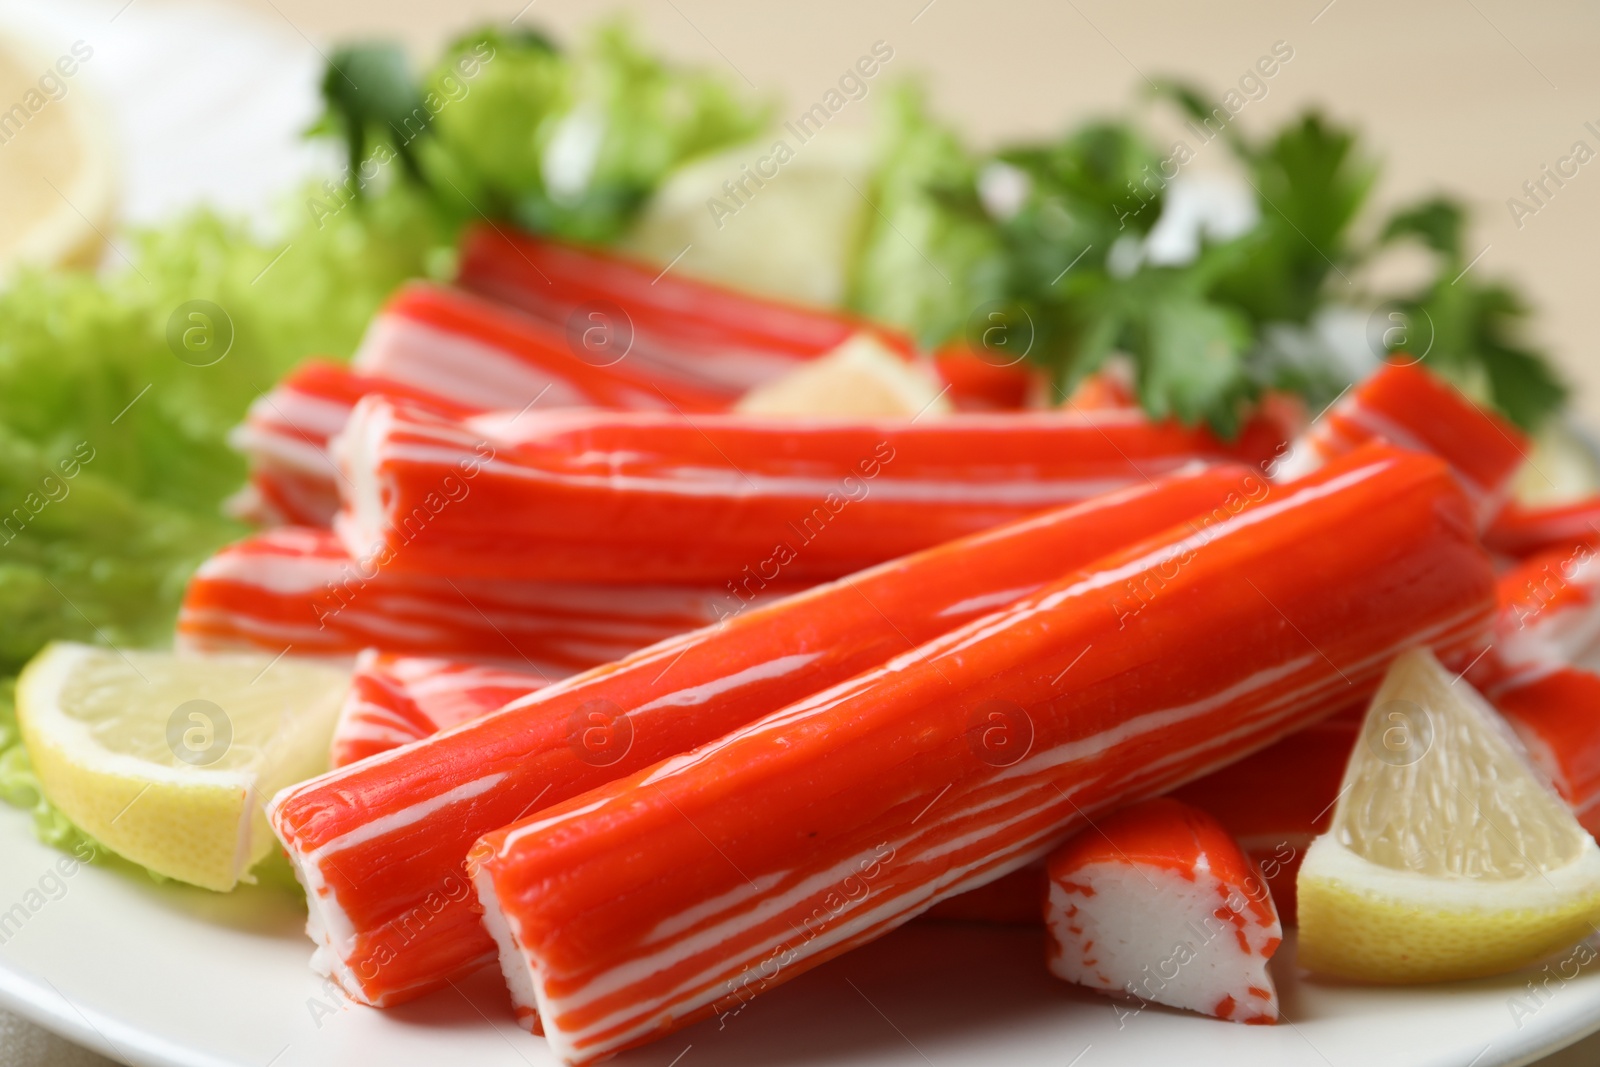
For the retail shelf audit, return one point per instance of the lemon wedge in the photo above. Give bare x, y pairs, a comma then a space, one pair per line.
1449, 856
167, 759
56, 175
862, 378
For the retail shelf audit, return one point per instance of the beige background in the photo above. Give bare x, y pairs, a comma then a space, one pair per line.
1470, 96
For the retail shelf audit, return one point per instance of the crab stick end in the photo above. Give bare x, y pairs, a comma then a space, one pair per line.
1156, 903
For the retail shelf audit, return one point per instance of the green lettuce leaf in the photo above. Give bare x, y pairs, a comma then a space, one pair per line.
116, 402
506, 126
929, 259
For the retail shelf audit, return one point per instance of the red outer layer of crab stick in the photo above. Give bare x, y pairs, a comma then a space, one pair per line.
1408, 407
1156, 902
394, 700
631, 496
677, 327
295, 587
1524, 529
680, 891
375, 921
474, 351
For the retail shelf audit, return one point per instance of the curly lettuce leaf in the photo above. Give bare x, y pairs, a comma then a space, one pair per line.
114, 462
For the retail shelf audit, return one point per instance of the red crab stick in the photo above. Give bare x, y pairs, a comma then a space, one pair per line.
297, 588
628, 496
430, 801
474, 351
1409, 407
678, 327
394, 700
1158, 903
680, 891
1523, 529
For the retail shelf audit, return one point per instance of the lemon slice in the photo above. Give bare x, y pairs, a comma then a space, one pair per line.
1449, 856
56, 176
861, 378
166, 759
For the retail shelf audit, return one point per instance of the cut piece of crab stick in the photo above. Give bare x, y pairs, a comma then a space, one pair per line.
1523, 529
744, 863
679, 328
1411, 408
430, 801
285, 434
394, 700
296, 587
478, 352
1156, 902
633, 496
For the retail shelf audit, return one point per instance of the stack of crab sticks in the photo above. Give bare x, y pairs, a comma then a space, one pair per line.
672, 682
432, 800
720, 869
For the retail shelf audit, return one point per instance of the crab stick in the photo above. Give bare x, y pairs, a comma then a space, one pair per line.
981, 381
473, 351
294, 587
631, 496
1521, 530
394, 700
1158, 903
430, 801
1410, 408
680, 328
739, 865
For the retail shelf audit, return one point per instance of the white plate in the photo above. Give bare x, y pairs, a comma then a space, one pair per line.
161, 975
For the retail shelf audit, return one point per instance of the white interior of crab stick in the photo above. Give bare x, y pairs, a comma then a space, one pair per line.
515, 964
1148, 932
